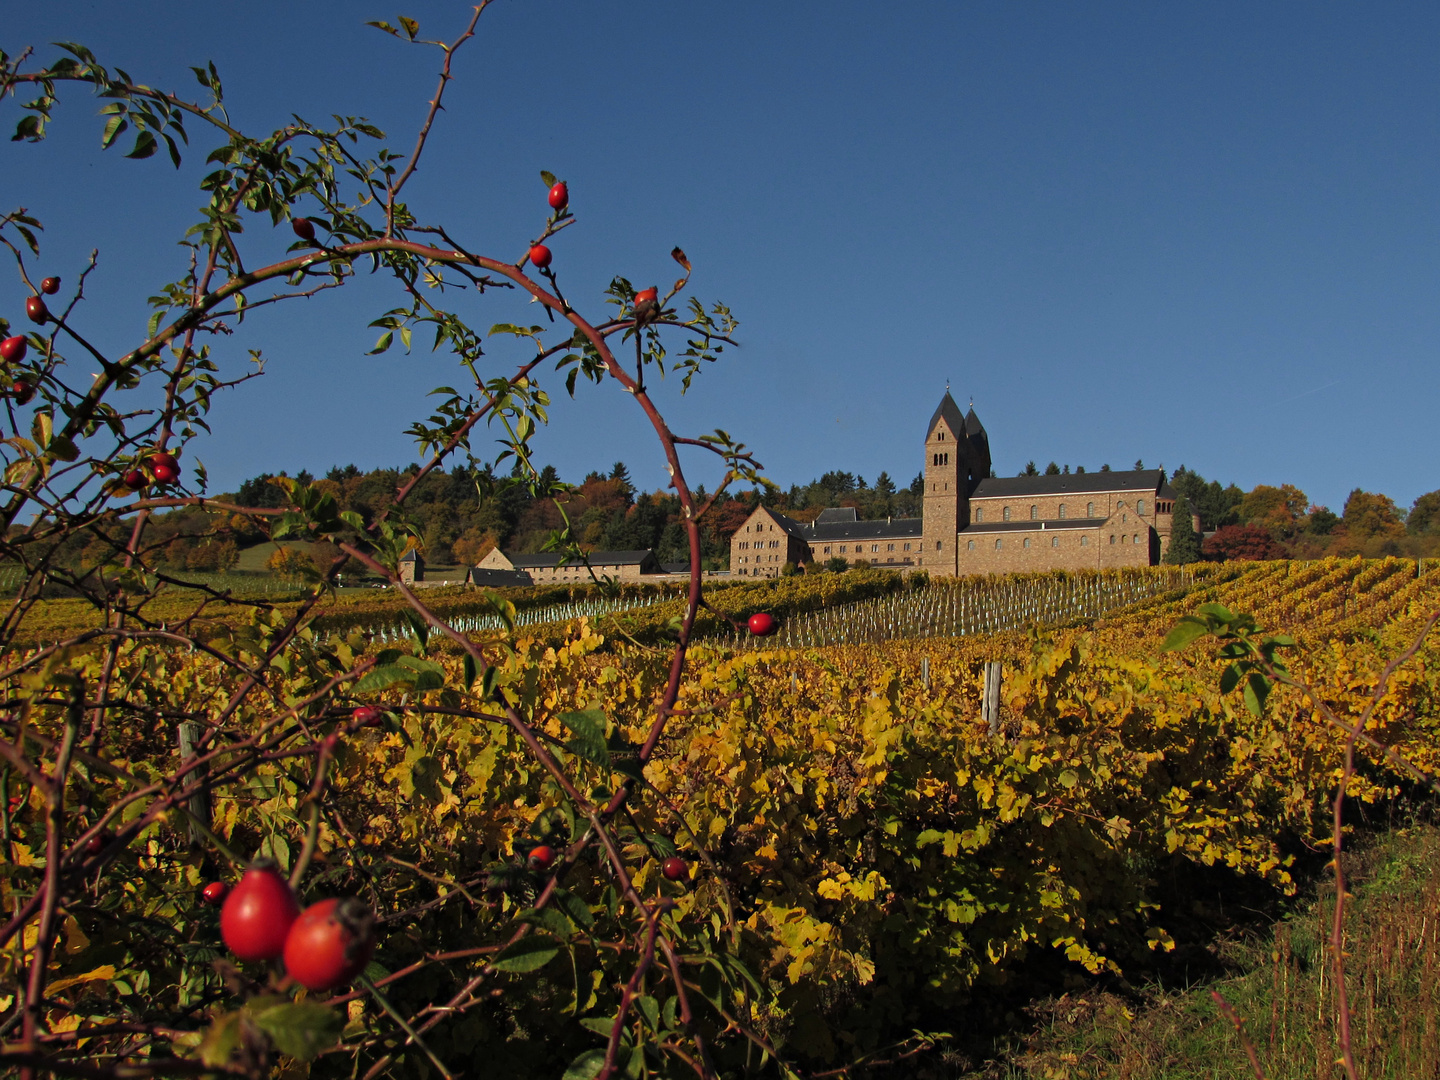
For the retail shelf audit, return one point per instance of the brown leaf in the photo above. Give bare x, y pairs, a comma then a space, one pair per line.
679, 256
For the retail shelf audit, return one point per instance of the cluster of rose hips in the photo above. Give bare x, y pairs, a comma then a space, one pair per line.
325, 946
12, 349
559, 198
163, 469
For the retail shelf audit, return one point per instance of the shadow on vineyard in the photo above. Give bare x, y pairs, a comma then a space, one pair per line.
1275, 975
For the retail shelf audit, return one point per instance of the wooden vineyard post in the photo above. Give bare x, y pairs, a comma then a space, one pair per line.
190, 733
990, 702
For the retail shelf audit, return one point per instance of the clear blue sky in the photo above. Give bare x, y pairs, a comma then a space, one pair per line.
1201, 233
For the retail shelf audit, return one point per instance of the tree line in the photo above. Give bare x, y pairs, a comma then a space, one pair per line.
461, 516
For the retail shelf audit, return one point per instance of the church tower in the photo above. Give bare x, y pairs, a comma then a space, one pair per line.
947, 490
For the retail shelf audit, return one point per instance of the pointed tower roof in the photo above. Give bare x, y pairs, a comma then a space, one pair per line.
950, 413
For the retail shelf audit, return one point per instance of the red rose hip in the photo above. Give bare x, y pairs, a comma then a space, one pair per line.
12, 349
365, 715
673, 868
559, 196
304, 229
50, 286
23, 392
215, 893
164, 474
35, 308
542, 858
540, 256
761, 624
330, 943
258, 914
135, 479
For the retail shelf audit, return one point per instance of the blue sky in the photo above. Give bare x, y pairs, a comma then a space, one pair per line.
1201, 234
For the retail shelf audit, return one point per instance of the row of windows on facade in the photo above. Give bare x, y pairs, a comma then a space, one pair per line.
745, 544
1064, 511
1055, 541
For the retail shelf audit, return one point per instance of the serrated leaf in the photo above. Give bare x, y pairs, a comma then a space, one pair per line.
63, 449
588, 731
301, 1029
530, 953
145, 146
586, 1067
382, 678
220, 1040
1185, 631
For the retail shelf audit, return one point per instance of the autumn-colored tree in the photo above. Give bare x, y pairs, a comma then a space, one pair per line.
1370, 514
1279, 510
1241, 542
290, 562
1424, 517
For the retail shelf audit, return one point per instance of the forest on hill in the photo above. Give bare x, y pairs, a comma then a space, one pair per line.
460, 517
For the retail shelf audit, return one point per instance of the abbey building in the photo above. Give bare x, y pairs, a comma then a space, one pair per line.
975, 523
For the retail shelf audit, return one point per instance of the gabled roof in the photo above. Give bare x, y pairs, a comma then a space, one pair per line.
1000, 487
950, 413
595, 558
836, 513
411, 556
790, 525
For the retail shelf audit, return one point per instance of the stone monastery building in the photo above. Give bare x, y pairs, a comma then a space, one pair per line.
975, 523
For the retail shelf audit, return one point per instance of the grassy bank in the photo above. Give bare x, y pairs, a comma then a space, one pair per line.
1281, 985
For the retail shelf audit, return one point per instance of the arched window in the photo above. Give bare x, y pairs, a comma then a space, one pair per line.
979, 514
1026, 542
1005, 514
940, 435
971, 546
1140, 506
1062, 511
1084, 541
1137, 539
1054, 541
997, 543
1112, 538
1089, 509
1034, 513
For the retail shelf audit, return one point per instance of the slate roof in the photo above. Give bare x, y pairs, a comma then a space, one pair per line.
950, 412
975, 432
596, 558
903, 528
1000, 487
833, 514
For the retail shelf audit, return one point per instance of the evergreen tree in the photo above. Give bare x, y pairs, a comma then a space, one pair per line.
1030, 469
1184, 540
1052, 469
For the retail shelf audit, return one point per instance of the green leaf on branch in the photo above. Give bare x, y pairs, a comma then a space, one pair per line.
301, 1029
588, 729
586, 1067
528, 954
1186, 630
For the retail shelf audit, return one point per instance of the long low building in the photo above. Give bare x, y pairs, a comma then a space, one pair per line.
498, 568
